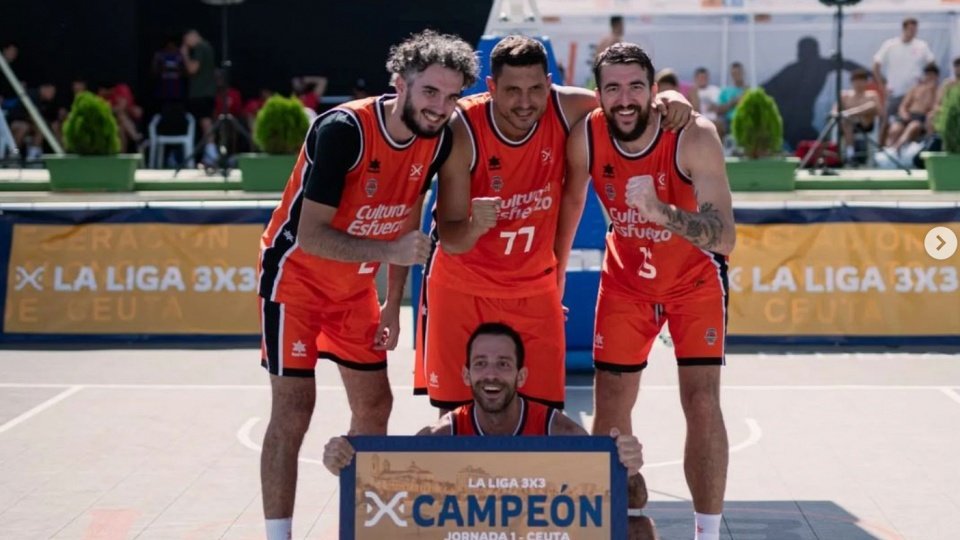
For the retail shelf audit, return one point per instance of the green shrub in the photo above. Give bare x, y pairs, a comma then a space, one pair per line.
757, 125
948, 121
90, 129
281, 125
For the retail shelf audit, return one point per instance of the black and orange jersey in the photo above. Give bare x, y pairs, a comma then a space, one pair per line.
349, 161
535, 419
515, 258
644, 260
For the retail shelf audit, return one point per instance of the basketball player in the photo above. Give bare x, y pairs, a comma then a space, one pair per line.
494, 371
666, 260
497, 209
352, 202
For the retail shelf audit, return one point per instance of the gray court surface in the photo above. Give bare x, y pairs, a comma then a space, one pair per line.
163, 444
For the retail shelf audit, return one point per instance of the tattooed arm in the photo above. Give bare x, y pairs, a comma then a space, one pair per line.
701, 158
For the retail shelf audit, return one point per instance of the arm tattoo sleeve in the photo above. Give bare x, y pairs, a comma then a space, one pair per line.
703, 229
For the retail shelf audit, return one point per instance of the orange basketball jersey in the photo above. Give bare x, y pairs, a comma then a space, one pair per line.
379, 194
535, 419
644, 260
515, 258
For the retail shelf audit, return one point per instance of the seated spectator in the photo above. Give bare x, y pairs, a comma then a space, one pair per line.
667, 79
861, 109
79, 84
127, 113
8, 97
234, 99
309, 89
26, 134
253, 106
51, 109
916, 106
359, 90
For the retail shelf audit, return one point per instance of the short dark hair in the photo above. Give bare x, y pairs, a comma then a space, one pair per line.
700, 70
669, 78
910, 21
497, 329
424, 49
736, 65
623, 53
932, 67
616, 19
517, 51
859, 74
956, 61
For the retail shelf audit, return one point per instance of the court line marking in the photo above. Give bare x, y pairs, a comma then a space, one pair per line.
581, 388
951, 393
243, 435
245, 438
71, 390
752, 438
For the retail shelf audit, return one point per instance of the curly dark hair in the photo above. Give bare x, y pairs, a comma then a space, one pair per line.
623, 53
424, 49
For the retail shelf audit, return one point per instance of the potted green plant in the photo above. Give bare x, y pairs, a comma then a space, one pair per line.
943, 168
94, 161
758, 130
279, 130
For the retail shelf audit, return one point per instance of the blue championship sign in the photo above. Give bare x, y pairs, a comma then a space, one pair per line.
483, 488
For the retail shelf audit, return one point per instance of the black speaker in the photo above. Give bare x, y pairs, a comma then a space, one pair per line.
843, 3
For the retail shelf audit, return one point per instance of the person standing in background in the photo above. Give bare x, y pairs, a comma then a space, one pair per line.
730, 95
615, 36
898, 65
202, 87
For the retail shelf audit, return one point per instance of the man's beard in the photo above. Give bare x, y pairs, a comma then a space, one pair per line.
507, 395
643, 118
408, 114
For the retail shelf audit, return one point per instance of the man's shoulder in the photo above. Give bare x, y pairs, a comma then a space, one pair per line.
699, 132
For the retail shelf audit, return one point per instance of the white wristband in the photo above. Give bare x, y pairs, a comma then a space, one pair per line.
634, 512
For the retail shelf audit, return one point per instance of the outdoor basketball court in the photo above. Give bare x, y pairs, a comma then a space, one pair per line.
164, 444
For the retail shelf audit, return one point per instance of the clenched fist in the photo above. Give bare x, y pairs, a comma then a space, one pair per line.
410, 249
483, 213
642, 195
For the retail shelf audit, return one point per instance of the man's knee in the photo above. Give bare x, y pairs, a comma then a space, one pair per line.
373, 406
614, 400
701, 400
292, 407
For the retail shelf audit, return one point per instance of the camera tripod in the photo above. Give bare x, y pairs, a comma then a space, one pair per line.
836, 117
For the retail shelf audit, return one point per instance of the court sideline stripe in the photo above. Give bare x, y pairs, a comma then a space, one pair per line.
71, 390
